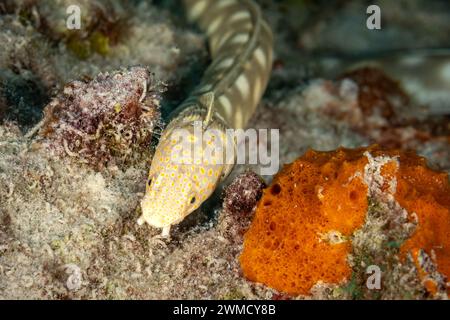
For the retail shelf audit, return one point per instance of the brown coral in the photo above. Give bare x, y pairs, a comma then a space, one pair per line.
302, 231
110, 118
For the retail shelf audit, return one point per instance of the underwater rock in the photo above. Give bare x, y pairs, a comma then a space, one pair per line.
239, 201
51, 17
378, 95
26, 73
111, 118
243, 193
25, 51
329, 215
328, 114
388, 116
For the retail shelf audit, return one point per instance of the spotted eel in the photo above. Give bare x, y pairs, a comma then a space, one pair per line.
240, 43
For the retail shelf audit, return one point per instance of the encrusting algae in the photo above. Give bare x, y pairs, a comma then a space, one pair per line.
110, 118
302, 232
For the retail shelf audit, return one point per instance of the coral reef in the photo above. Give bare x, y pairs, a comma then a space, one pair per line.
40, 55
314, 218
53, 214
68, 230
110, 118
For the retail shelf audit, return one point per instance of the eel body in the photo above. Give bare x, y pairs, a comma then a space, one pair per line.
182, 175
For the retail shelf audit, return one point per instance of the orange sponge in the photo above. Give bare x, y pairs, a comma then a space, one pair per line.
301, 232
426, 194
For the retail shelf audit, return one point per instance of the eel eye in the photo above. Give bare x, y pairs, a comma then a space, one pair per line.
192, 200
149, 182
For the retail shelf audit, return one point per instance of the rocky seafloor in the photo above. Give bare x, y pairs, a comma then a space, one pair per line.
70, 189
